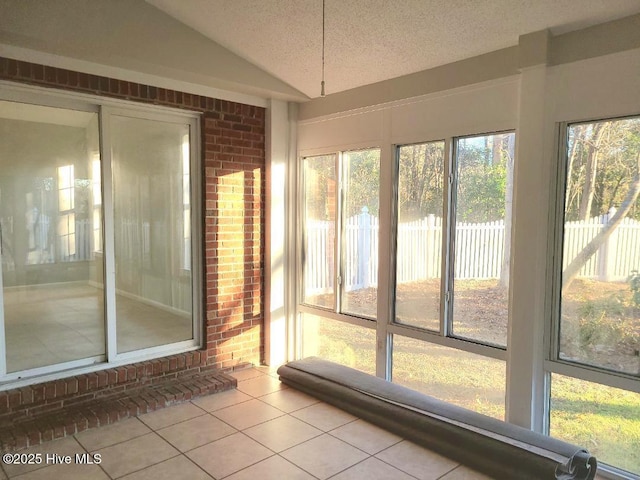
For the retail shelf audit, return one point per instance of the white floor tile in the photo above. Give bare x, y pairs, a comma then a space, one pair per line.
196, 432
172, 469
323, 416
64, 446
259, 386
289, 400
171, 415
417, 461
66, 472
365, 436
133, 455
229, 455
324, 456
247, 414
108, 435
273, 468
372, 469
282, 433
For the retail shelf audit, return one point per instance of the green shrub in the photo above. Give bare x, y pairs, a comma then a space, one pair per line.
634, 284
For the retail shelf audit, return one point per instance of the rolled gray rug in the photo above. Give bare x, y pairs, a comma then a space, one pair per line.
498, 449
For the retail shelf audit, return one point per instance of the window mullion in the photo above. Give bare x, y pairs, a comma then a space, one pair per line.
448, 228
338, 237
108, 240
3, 340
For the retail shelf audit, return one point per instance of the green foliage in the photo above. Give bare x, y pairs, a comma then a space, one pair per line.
481, 193
421, 180
634, 284
605, 322
363, 181
612, 149
320, 187
482, 179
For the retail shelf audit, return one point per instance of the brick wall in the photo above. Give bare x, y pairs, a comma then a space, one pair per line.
233, 162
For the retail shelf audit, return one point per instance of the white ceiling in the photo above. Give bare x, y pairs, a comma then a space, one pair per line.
373, 40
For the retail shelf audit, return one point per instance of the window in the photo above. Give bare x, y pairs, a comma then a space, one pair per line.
481, 240
95, 243
600, 290
465, 379
341, 231
419, 239
340, 257
595, 355
474, 256
451, 269
449, 303
320, 204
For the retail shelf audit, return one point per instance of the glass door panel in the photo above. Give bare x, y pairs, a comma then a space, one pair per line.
484, 194
360, 205
419, 235
151, 198
320, 197
52, 266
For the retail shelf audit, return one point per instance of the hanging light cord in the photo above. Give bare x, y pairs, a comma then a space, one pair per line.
322, 82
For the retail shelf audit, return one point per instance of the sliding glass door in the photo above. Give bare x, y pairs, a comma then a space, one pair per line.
151, 205
51, 268
96, 245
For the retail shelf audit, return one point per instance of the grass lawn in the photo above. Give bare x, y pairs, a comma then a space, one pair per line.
602, 419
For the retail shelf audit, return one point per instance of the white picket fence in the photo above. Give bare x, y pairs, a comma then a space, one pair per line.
479, 251
615, 259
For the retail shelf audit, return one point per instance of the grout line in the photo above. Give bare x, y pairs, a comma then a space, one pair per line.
351, 466
148, 466
97, 429
447, 473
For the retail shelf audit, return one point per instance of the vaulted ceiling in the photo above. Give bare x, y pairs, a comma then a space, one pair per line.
273, 48
369, 41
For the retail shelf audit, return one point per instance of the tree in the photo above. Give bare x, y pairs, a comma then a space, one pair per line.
591, 169
508, 210
421, 180
592, 247
603, 172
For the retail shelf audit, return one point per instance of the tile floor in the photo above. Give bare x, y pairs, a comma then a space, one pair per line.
62, 322
263, 430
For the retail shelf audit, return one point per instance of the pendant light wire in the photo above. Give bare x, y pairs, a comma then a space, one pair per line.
322, 82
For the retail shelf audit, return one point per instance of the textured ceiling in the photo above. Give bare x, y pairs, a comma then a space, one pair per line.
372, 40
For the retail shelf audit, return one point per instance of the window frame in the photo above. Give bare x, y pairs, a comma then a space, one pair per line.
445, 335
386, 329
104, 106
553, 363
335, 312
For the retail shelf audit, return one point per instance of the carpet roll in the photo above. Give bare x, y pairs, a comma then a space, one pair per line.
495, 448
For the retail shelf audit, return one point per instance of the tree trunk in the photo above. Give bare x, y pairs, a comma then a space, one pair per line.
508, 210
593, 152
592, 247
573, 153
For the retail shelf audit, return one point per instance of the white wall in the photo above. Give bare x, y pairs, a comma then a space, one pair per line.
487, 107
534, 103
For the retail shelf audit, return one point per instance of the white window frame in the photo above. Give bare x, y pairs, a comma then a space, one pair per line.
385, 324
339, 244
104, 107
553, 362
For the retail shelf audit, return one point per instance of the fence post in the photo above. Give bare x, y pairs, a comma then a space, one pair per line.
364, 247
430, 245
609, 250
